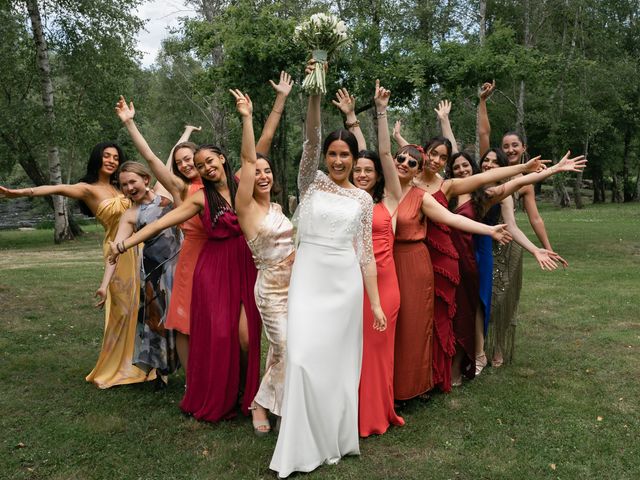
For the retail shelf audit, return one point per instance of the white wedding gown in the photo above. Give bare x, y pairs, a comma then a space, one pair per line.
324, 329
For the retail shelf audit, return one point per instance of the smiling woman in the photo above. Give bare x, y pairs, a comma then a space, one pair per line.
225, 323
99, 197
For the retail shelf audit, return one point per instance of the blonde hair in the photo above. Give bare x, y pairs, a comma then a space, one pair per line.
135, 167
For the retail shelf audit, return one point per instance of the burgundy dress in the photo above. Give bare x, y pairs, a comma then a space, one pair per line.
446, 276
467, 293
223, 281
375, 407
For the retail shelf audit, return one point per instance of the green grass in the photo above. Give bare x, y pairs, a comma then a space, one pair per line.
567, 408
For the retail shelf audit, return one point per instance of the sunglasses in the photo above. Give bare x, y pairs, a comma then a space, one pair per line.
411, 162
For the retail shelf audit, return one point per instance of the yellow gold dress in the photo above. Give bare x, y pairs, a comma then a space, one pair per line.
114, 365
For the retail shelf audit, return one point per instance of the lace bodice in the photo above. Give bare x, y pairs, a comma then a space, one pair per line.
330, 212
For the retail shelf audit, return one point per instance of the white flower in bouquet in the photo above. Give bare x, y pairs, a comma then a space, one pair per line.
322, 34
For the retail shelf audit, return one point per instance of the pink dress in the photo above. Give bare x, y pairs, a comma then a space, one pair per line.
375, 407
223, 281
194, 239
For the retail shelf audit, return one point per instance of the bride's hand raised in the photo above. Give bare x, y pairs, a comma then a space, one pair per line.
379, 319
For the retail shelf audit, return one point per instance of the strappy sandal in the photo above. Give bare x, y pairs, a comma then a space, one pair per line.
481, 362
259, 425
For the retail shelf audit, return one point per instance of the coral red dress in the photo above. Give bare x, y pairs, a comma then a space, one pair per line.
375, 407
194, 239
412, 372
467, 293
446, 276
223, 281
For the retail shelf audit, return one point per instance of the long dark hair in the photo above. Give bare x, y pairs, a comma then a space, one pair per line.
378, 189
275, 187
217, 203
93, 169
436, 142
501, 157
478, 197
174, 165
344, 135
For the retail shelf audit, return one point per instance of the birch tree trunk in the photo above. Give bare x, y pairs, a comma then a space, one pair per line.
61, 220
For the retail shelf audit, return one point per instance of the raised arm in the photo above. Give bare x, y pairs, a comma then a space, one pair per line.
566, 164
546, 259
484, 127
191, 206
397, 135
458, 186
391, 180
311, 147
244, 195
174, 184
347, 105
437, 213
444, 107
283, 89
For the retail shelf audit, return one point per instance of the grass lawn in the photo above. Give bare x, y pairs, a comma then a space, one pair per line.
568, 408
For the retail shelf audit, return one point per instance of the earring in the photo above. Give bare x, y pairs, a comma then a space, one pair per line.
147, 189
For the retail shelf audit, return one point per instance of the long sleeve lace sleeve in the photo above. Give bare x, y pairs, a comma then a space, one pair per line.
364, 241
309, 162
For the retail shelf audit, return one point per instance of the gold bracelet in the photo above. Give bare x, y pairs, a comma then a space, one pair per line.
354, 124
381, 114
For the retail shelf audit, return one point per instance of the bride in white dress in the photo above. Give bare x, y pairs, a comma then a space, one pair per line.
324, 330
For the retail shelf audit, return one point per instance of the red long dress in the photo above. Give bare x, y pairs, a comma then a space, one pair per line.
223, 281
446, 276
375, 406
467, 293
412, 372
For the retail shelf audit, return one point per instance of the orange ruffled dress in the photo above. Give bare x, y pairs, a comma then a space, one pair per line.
178, 317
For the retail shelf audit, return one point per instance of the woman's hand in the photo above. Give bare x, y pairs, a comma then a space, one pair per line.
379, 319
284, 86
311, 64
396, 129
101, 294
566, 164
381, 98
192, 128
444, 107
243, 103
113, 256
486, 90
125, 112
547, 259
13, 192
500, 234
344, 102
535, 165
554, 256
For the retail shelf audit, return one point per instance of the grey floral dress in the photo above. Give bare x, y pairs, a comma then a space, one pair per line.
155, 346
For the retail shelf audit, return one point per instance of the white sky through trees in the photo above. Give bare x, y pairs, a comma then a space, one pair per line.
160, 16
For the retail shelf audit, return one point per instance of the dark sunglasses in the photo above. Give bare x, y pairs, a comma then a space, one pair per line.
411, 162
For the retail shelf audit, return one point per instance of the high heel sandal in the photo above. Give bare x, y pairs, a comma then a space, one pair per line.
258, 425
481, 362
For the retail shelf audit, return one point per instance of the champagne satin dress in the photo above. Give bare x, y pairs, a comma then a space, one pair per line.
114, 366
273, 253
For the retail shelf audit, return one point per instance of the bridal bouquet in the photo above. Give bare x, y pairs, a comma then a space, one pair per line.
322, 34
